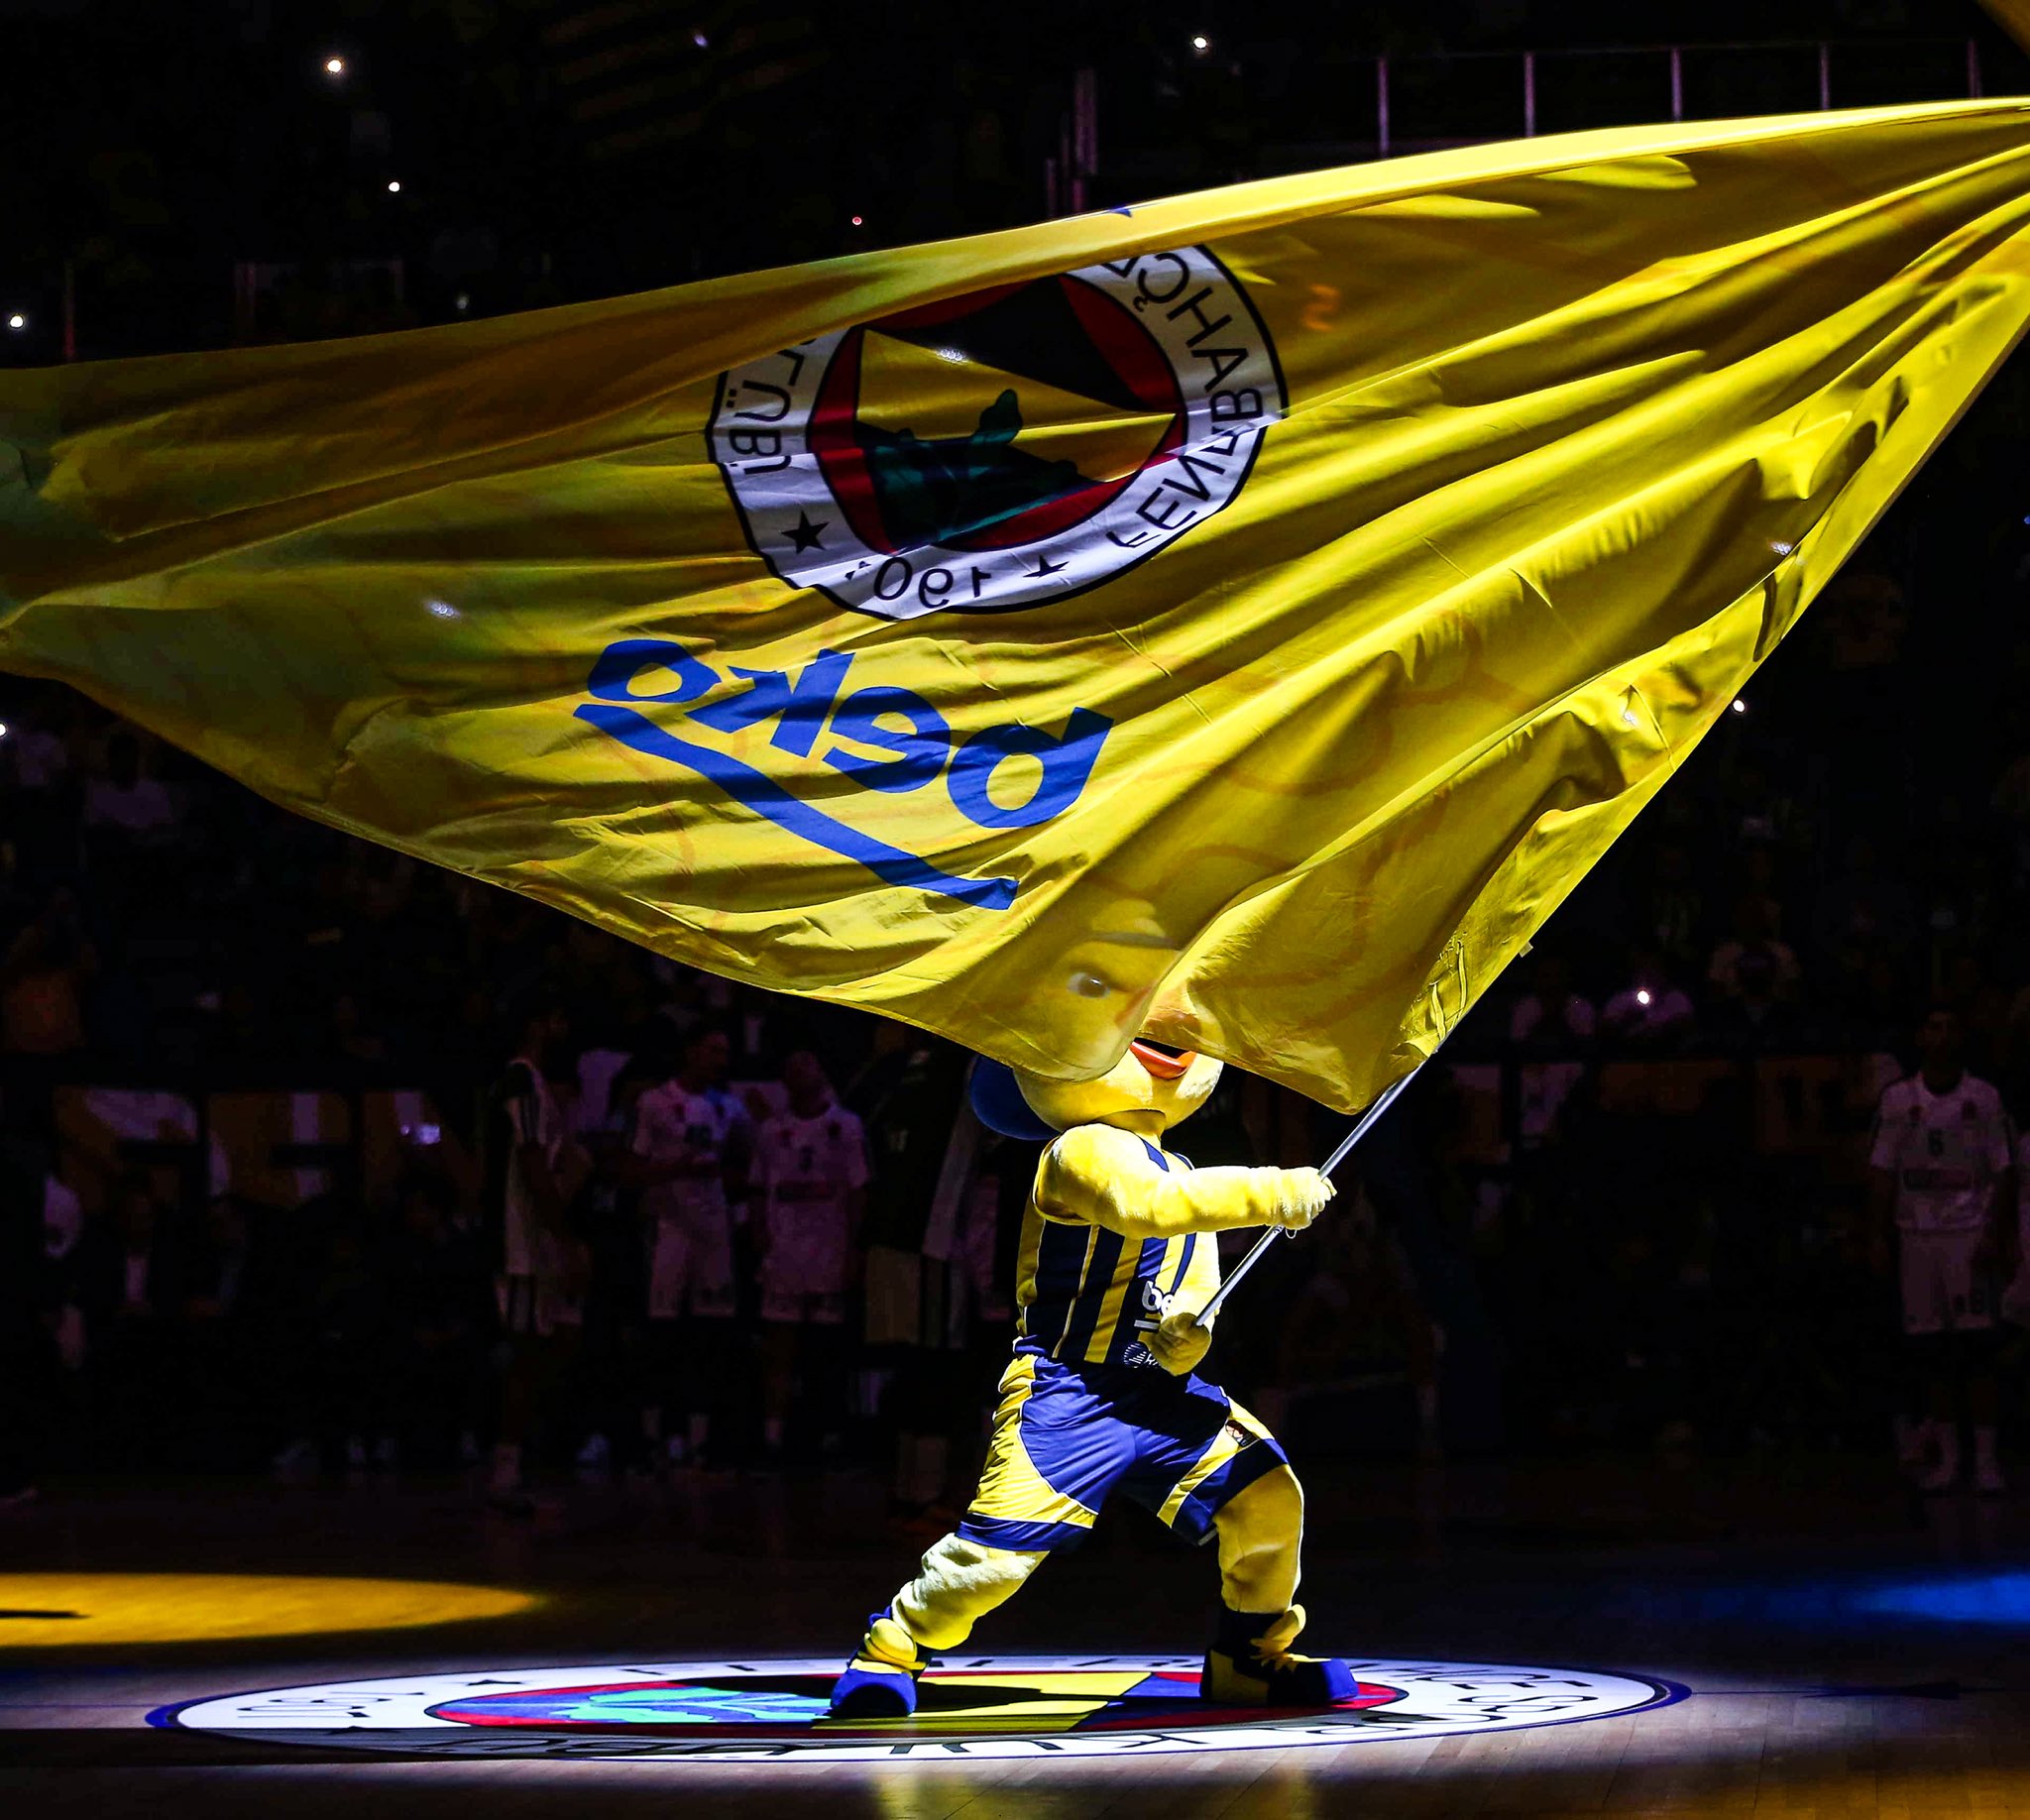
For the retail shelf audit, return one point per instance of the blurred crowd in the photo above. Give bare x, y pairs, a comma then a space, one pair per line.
580, 1207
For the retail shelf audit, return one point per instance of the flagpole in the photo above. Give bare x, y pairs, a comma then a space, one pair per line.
1361, 1127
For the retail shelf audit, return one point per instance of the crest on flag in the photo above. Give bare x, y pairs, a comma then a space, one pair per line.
1005, 448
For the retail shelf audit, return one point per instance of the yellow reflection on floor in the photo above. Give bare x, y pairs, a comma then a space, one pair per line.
44, 1608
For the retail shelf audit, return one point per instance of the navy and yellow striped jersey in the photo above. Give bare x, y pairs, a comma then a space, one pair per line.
1087, 1295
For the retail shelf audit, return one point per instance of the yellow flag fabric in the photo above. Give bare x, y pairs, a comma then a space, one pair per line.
1243, 616
2013, 16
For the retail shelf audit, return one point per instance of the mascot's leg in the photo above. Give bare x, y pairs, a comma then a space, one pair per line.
1260, 1531
1041, 1488
959, 1583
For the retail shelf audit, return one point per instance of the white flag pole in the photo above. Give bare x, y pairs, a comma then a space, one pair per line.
1360, 1130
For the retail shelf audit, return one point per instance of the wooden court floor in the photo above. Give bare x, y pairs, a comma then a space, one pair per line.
1843, 1651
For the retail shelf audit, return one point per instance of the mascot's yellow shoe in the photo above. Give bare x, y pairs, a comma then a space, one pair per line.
880, 1680
1250, 1664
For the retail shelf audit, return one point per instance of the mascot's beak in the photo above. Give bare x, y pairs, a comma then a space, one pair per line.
1163, 1064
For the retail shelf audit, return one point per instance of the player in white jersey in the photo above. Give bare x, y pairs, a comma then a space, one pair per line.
2016, 1300
684, 1133
531, 1172
692, 1140
1942, 1165
810, 1180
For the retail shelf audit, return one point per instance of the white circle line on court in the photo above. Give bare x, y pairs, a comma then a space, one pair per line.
698, 1712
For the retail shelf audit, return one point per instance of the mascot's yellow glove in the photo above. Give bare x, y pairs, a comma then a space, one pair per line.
1179, 1342
1301, 1196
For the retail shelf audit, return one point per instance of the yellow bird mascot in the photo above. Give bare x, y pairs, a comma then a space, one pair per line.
1118, 1256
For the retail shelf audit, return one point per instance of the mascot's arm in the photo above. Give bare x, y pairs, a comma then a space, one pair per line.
1201, 1283
1180, 1342
1104, 1177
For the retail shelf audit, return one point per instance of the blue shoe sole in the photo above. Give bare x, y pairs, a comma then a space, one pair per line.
866, 1693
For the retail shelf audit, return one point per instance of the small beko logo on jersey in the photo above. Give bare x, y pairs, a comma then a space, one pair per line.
759, 1711
1007, 448
1155, 1303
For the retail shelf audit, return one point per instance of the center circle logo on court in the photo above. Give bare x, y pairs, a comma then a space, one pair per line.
981, 1707
1005, 448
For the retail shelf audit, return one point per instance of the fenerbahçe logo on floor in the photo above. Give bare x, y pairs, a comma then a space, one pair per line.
1003, 449
762, 1711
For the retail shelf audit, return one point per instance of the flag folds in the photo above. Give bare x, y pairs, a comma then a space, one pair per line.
1242, 618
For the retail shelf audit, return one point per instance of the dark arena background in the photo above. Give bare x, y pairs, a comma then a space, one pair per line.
1625, 1493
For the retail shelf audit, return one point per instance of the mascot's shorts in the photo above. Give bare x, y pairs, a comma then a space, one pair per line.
1065, 1436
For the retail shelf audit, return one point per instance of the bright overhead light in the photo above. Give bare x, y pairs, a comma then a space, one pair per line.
17, 321
1642, 997
859, 221
393, 188
699, 40
334, 66
1201, 44
1740, 706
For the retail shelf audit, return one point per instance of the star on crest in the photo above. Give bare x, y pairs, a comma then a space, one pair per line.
806, 535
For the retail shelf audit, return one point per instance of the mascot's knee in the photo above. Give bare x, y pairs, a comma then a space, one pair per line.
959, 1583
969, 1566
1268, 1515
1261, 1533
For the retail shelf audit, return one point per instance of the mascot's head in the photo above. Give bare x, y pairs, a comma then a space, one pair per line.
1080, 1010
1148, 1090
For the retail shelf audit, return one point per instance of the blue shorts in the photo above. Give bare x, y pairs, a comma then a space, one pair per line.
1066, 1436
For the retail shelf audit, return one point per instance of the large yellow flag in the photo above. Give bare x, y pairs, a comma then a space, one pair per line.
2013, 16
1245, 615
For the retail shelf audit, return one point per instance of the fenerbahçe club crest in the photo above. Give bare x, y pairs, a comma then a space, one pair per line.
1007, 448
974, 1708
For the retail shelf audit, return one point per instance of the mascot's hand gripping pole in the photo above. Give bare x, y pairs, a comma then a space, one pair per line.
1361, 1128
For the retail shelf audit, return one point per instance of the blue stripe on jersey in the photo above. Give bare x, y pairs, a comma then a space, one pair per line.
1074, 1271
1060, 1262
1106, 1255
1148, 1269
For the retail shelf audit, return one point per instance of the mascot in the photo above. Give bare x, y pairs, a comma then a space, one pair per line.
1120, 1254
